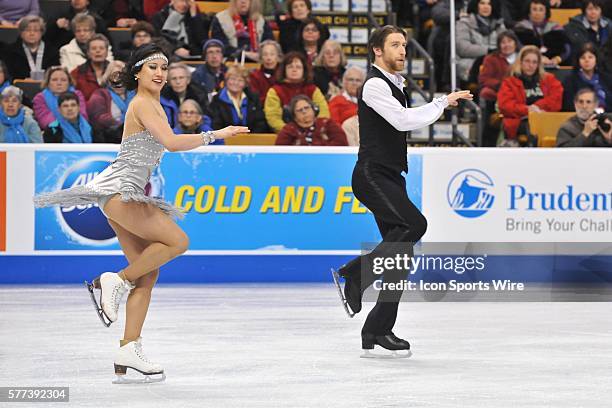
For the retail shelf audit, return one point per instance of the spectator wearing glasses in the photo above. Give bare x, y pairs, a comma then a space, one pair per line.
74, 53
191, 119
305, 129
30, 56
311, 36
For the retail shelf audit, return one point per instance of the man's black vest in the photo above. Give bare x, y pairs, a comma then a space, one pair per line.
379, 141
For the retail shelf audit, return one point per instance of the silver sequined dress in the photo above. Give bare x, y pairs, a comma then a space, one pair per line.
128, 175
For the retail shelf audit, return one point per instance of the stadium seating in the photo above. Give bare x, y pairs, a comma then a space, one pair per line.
253, 139
211, 6
546, 125
562, 16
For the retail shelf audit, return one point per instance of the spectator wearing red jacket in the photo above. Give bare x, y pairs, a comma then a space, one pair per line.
262, 79
108, 105
305, 129
344, 105
494, 69
496, 66
88, 76
528, 89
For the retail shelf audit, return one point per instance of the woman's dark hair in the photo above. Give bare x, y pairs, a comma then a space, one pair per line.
495, 8
545, 3
587, 47
142, 26
288, 59
127, 77
323, 33
508, 34
595, 3
289, 5
379, 36
67, 96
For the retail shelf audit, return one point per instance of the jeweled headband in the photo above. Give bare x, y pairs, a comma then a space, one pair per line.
151, 58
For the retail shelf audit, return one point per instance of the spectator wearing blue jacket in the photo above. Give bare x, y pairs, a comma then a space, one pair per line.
237, 105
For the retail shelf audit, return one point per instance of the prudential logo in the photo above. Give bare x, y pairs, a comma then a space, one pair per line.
470, 193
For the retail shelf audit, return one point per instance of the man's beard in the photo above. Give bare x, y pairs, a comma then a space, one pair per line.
395, 65
583, 114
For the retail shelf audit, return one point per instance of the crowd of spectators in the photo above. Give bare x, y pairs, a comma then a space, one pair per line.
302, 86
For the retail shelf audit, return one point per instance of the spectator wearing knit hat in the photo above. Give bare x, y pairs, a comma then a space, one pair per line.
209, 76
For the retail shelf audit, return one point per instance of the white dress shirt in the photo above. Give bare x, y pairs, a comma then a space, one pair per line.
377, 95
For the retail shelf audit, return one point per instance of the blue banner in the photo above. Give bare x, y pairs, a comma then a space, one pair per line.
232, 201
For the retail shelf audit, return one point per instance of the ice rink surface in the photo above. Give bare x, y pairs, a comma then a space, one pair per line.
293, 346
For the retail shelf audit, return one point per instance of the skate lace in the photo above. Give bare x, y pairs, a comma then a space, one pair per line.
140, 353
116, 297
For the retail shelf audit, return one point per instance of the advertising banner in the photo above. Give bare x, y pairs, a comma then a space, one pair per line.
232, 201
541, 196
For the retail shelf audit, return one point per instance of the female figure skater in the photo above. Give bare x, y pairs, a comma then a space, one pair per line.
144, 226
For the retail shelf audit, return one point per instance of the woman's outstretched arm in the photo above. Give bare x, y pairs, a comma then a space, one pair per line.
154, 119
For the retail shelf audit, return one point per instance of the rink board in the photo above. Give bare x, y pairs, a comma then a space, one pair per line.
284, 214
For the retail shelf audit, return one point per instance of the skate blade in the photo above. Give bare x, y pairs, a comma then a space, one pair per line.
103, 318
347, 309
390, 355
146, 379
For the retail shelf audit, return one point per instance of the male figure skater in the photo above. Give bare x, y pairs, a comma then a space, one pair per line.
378, 182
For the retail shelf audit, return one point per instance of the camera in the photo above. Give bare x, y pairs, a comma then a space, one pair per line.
601, 119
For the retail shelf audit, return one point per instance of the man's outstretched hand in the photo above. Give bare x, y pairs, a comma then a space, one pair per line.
453, 98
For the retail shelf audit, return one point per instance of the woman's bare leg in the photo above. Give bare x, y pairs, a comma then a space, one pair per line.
166, 239
139, 297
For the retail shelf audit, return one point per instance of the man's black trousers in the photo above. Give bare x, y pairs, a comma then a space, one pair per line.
383, 191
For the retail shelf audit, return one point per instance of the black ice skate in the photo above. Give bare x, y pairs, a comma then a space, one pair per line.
399, 348
350, 296
95, 284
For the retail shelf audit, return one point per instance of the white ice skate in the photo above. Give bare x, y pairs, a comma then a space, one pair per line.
132, 356
112, 288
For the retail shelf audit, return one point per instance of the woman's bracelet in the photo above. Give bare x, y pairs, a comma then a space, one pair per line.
208, 137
